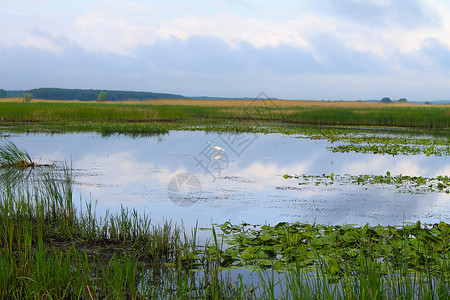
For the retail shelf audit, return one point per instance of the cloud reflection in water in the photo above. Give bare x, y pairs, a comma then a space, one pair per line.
135, 173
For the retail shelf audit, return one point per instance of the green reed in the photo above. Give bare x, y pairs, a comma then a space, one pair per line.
397, 116
11, 156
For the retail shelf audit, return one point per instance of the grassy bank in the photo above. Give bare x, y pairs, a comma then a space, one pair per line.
192, 111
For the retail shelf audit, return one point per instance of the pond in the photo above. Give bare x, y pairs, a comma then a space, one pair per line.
180, 177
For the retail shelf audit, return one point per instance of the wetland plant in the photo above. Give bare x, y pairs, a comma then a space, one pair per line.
133, 130
403, 183
367, 115
309, 261
392, 149
11, 156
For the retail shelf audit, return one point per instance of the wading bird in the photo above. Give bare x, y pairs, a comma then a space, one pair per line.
217, 148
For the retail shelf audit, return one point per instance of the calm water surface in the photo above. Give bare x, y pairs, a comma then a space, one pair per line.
175, 177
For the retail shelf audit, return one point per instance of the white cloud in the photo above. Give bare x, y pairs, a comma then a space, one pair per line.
121, 26
235, 30
379, 165
443, 171
261, 173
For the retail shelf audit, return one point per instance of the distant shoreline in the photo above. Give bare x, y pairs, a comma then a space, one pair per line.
241, 102
122, 95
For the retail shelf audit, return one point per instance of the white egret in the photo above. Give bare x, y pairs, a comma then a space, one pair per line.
217, 148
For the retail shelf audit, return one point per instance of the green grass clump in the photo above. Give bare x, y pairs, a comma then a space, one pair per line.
405, 116
133, 129
11, 156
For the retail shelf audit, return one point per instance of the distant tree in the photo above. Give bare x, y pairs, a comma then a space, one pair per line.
386, 100
90, 95
102, 96
428, 103
3, 93
402, 100
27, 97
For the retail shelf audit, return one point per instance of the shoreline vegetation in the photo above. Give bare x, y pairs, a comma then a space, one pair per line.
435, 117
361, 127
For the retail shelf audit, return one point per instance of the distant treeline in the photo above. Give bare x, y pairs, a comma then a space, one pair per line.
88, 95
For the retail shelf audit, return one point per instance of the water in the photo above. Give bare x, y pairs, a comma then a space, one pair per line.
174, 177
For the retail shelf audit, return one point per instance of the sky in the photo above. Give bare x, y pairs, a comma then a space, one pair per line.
291, 49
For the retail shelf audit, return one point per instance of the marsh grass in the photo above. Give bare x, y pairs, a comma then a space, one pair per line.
11, 156
375, 283
435, 117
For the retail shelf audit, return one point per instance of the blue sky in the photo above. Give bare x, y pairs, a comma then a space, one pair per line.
304, 49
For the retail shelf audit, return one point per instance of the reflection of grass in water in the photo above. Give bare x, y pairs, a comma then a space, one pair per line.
366, 140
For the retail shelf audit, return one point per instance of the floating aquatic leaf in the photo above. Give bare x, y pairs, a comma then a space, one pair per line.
403, 183
336, 246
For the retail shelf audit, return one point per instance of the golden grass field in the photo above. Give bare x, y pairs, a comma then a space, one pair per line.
244, 103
